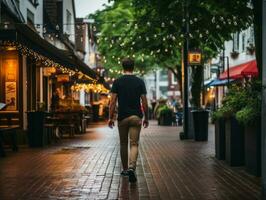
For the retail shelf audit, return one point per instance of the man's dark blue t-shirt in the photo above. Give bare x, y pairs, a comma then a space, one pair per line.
129, 89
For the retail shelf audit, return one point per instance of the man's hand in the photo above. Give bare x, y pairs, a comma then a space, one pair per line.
145, 123
111, 123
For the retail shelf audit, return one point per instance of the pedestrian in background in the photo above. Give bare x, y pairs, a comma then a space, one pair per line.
130, 91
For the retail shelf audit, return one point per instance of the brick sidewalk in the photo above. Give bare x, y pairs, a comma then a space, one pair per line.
88, 167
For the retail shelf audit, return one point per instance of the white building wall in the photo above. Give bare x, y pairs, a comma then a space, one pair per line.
37, 11
25, 5
246, 37
154, 84
69, 27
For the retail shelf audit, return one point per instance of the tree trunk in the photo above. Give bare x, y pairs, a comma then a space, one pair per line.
196, 85
257, 4
178, 75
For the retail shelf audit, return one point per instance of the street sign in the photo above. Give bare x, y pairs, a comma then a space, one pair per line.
194, 58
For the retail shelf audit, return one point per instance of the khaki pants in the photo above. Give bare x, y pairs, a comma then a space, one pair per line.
129, 128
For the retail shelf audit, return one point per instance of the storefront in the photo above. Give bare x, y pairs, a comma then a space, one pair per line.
31, 69
10, 91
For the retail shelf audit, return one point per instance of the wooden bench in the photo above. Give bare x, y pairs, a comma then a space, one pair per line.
10, 131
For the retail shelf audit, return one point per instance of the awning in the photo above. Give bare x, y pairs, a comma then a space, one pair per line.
208, 82
24, 35
218, 82
241, 71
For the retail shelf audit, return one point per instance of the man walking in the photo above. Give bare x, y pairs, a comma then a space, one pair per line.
130, 91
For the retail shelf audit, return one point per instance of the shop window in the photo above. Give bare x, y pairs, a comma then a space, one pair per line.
69, 21
243, 42
174, 79
30, 18
163, 91
59, 7
236, 42
35, 3
9, 80
87, 98
164, 75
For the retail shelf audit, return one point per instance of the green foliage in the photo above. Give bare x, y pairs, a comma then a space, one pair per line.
251, 112
164, 110
242, 101
217, 115
232, 102
152, 32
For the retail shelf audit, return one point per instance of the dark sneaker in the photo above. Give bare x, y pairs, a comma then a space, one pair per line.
124, 173
132, 176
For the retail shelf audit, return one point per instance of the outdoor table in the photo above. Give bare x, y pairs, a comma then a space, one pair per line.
52, 124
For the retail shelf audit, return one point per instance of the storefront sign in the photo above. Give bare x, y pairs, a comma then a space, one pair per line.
11, 96
62, 78
48, 71
194, 58
10, 68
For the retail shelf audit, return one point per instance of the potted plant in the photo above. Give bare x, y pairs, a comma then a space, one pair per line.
161, 103
251, 49
200, 115
249, 116
219, 122
165, 116
234, 54
234, 131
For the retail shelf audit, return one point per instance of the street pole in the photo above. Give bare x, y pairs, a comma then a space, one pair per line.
0, 13
185, 61
203, 86
228, 75
223, 65
263, 110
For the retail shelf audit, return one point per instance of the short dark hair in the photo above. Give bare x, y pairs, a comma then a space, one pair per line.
128, 64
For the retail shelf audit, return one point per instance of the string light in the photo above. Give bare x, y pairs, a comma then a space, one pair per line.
46, 62
97, 88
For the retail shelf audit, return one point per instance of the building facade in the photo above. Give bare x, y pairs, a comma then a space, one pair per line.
38, 56
236, 53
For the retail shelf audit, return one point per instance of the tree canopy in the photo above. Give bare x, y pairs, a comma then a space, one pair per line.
152, 32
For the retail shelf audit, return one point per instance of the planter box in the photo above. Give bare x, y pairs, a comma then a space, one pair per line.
37, 137
234, 143
201, 123
166, 119
253, 149
220, 139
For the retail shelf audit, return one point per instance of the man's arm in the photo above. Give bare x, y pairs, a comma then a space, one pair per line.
145, 110
112, 109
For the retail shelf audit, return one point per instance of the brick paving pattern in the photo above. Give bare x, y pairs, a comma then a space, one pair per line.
88, 167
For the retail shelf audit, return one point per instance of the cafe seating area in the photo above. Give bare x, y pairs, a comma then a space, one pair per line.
44, 128
9, 124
